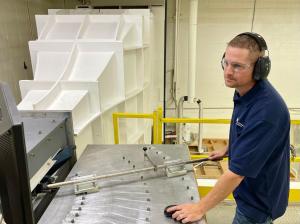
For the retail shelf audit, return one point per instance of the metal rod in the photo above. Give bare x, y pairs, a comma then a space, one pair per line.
196, 120
92, 179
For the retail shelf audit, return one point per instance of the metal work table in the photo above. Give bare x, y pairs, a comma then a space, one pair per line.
135, 198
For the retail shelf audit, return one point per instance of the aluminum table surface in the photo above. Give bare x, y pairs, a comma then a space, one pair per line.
135, 198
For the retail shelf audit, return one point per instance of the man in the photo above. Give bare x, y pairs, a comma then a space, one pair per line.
258, 149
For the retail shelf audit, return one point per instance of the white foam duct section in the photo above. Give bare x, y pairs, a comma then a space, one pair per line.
193, 23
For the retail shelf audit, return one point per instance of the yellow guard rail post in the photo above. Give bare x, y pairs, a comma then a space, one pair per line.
159, 126
155, 129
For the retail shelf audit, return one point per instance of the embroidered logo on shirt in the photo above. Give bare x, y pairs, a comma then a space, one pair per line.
239, 123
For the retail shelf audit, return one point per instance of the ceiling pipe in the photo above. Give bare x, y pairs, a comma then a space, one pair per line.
165, 67
193, 23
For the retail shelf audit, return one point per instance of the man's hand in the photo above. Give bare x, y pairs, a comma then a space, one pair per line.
217, 155
194, 212
186, 212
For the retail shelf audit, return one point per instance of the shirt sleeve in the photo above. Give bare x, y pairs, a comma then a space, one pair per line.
252, 149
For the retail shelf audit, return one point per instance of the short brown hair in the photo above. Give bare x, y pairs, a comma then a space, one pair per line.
246, 42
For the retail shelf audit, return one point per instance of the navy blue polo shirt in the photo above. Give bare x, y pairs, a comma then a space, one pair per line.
259, 151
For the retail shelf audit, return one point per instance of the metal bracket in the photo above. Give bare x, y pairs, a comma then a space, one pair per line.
153, 157
175, 170
85, 187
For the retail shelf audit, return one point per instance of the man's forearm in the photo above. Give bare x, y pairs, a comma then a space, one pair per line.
225, 185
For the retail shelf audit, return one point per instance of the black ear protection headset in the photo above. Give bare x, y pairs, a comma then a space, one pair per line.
263, 64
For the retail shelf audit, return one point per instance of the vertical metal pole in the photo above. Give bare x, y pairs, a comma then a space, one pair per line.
165, 64
193, 24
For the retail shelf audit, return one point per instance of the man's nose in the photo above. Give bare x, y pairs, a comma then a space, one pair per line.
228, 69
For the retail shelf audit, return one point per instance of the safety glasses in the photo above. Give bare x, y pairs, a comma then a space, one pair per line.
237, 67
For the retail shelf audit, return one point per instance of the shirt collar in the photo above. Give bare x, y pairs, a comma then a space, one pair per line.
249, 96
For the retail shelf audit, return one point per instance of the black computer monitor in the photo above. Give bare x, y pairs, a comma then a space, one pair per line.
15, 194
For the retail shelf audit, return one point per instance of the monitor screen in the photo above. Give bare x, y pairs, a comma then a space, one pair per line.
15, 191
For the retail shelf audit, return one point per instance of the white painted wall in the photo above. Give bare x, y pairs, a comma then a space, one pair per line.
218, 22
157, 56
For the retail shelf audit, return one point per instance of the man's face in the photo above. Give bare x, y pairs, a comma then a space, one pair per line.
238, 69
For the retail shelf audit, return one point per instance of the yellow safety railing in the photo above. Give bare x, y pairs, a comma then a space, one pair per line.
159, 120
157, 126
195, 120
188, 120
209, 121
202, 156
116, 117
296, 122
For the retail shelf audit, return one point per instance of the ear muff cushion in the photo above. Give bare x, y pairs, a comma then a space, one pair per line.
263, 64
262, 68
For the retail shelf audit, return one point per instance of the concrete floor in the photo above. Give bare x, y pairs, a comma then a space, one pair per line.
224, 213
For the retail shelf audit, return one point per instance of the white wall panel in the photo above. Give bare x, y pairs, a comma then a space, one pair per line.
218, 22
